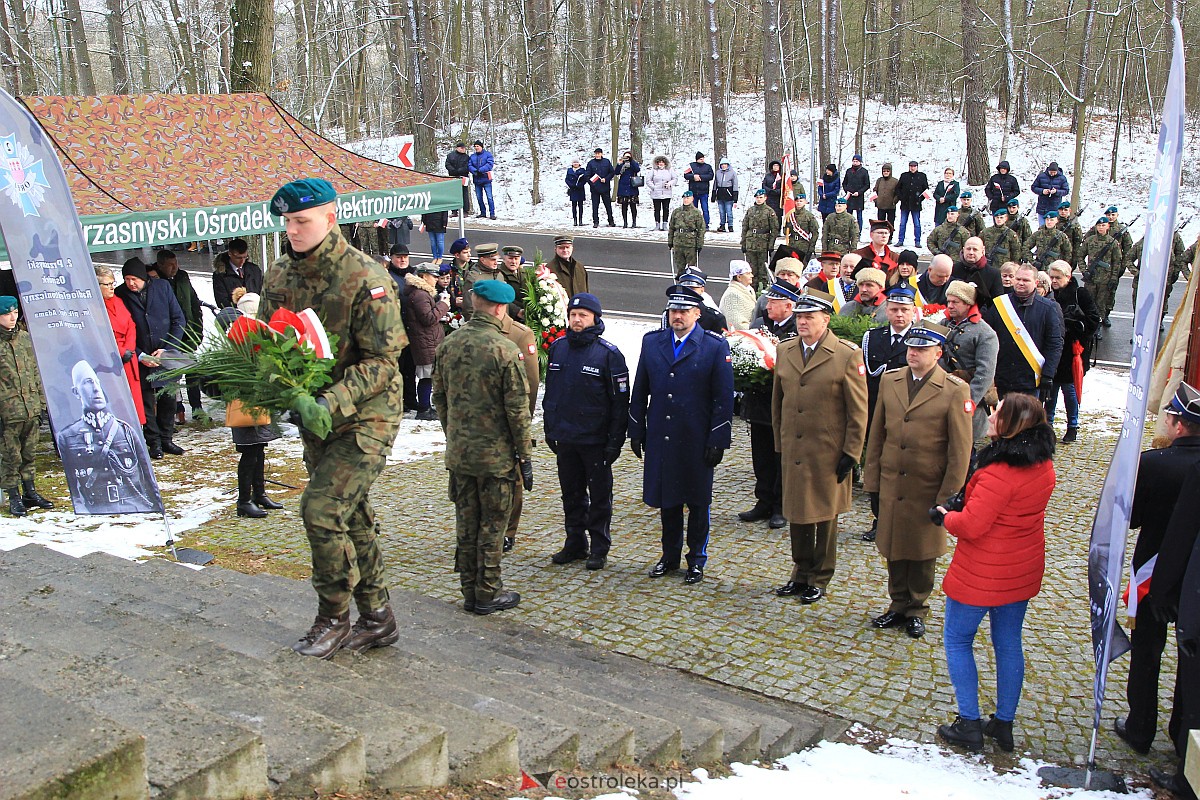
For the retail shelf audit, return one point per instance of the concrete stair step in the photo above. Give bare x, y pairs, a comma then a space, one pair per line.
190, 753
53, 749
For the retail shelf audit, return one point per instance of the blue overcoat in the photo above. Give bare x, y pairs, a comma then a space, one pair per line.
678, 408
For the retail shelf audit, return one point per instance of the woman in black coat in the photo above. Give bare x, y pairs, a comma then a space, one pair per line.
772, 184
1001, 187
1081, 319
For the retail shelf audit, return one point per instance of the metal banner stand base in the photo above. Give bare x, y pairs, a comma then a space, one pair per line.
185, 555
1078, 778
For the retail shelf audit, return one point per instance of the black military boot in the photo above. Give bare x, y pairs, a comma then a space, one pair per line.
373, 629
32, 498
503, 601
325, 637
966, 733
16, 506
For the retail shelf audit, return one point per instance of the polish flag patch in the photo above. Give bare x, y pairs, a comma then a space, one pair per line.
378, 293
531, 349
969, 407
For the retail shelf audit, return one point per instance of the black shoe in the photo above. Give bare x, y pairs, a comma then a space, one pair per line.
694, 575
756, 514
509, 543
469, 605
892, 619
266, 503
325, 637
427, 415
595, 562
791, 588
915, 627
481, 216
1001, 731
1070, 435
811, 594
662, 568
501, 602
32, 498
566, 556
777, 521
493, 216
1100, 335
595, 224
16, 506
966, 733
373, 629
1106, 323
170, 448
1176, 784
612, 224
869, 536
249, 509
1119, 727
154, 451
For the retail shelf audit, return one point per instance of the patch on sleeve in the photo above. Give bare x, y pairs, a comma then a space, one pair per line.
862, 369
520, 356
378, 293
531, 348
969, 407
621, 383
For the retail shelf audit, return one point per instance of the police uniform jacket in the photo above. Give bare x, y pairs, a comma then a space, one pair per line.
917, 456
818, 412
679, 407
587, 390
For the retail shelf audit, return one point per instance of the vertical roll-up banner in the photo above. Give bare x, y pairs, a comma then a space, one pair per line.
91, 409
1106, 555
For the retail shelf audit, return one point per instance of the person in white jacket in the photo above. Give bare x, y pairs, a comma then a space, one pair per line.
661, 182
737, 304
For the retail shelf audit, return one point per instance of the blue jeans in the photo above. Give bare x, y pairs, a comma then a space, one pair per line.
1070, 398
1041, 220
915, 216
437, 244
726, 209
480, 190
858, 213
962, 621
702, 202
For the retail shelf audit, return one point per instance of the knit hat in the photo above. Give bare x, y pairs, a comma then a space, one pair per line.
586, 301
134, 267
962, 290
699, 155
907, 257
477, 143
248, 305
871, 275
458, 245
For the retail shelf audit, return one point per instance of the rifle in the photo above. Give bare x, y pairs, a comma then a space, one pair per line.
1186, 222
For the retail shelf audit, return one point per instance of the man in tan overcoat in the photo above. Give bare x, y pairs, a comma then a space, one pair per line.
522, 337
918, 453
819, 415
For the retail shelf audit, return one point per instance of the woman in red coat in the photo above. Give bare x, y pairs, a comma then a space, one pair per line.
126, 335
998, 563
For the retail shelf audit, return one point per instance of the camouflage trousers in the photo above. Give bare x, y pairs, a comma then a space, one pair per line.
341, 526
17, 443
482, 508
518, 505
1103, 286
758, 262
682, 258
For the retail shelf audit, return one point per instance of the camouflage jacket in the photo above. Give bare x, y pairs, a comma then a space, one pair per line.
760, 226
1120, 232
948, 238
20, 381
482, 398
840, 234
1101, 252
686, 229
1020, 226
1000, 244
1050, 244
972, 220
802, 236
355, 299
1075, 233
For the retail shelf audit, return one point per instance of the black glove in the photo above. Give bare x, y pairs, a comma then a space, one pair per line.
713, 456
845, 464
553, 445
699, 249
611, 454
127, 356
936, 516
1044, 392
636, 446
527, 475
1162, 613
954, 502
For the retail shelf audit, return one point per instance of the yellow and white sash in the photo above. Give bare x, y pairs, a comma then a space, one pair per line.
1025, 343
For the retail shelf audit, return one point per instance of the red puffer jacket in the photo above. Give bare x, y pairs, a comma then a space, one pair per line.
1001, 551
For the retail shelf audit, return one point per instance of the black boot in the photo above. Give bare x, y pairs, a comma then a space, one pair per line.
966, 733
245, 506
373, 629
31, 497
258, 484
16, 506
1001, 731
1070, 435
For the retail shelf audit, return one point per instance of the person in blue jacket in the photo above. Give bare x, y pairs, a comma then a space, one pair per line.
828, 189
575, 181
699, 177
599, 176
680, 419
586, 408
1051, 188
481, 165
627, 193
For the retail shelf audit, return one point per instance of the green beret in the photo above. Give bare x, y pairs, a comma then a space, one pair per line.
495, 291
302, 194
8, 303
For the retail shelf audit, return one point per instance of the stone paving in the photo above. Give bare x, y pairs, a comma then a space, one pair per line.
732, 628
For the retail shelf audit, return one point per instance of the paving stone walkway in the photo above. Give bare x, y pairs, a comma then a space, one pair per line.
732, 627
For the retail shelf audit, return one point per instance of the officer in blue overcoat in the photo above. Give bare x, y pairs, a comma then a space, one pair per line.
681, 415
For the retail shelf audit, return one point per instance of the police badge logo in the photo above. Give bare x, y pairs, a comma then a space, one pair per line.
21, 177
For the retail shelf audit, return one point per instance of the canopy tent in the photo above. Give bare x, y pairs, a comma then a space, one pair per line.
165, 168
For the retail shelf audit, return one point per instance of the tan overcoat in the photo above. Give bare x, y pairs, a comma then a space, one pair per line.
917, 456
818, 412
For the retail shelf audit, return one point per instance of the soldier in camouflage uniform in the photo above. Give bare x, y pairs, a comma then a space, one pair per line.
482, 397
685, 235
1103, 257
522, 337
1049, 243
760, 226
356, 300
802, 230
1181, 264
1069, 224
1000, 242
950, 236
1019, 224
969, 217
21, 407
1120, 232
840, 234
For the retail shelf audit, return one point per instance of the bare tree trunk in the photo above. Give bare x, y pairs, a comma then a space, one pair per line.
1009, 93
1112, 168
717, 83
224, 44
827, 57
639, 105
82, 57
252, 27
9, 64
772, 77
860, 123
891, 92
425, 109
1085, 54
974, 98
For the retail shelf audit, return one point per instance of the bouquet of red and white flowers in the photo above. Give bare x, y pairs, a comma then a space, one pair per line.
545, 309
753, 356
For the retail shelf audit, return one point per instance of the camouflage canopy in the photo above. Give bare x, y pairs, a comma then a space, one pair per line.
165, 168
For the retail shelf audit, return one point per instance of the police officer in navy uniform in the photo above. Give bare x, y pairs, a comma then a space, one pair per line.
884, 349
681, 415
711, 318
586, 407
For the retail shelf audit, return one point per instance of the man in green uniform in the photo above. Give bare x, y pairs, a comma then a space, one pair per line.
356, 300
802, 229
685, 235
950, 236
1120, 232
1068, 223
1000, 243
482, 399
1048, 244
1180, 264
969, 217
514, 269
523, 338
841, 230
1020, 226
1103, 258
21, 407
760, 226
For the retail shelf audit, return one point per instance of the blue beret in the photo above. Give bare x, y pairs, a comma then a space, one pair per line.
951, 208
302, 194
1103, 220
586, 301
686, 194
445, 269
760, 192
926, 335
1065, 204
965, 194
1110, 210
495, 291
7, 303
1051, 215
458, 245
1002, 211
1014, 202
841, 201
